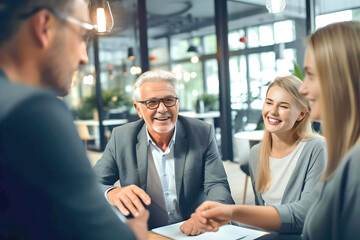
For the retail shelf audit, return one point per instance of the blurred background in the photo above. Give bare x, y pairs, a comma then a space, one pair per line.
224, 54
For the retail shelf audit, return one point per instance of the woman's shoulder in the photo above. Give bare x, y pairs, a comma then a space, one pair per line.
315, 142
254, 155
255, 148
351, 159
348, 171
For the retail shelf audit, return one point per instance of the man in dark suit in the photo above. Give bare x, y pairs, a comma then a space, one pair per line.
169, 163
47, 187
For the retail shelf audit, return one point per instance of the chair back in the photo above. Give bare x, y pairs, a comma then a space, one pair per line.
84, 131
242, 149
246, 117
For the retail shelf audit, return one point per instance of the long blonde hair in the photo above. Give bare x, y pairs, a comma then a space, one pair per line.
301, 129
336, 49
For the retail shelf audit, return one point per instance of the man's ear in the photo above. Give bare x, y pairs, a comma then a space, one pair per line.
43, 27
138, 110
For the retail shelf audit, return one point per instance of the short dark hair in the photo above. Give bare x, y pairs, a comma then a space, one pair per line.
10, 10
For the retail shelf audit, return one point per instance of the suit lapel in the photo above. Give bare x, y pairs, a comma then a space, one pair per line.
141, 157
180, 151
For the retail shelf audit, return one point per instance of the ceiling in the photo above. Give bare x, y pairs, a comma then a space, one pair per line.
172, 17
169, 17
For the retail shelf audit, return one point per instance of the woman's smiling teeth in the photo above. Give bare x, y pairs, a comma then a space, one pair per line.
273, 120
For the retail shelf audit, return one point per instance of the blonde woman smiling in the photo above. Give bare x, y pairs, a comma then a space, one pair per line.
285, 168
332, 86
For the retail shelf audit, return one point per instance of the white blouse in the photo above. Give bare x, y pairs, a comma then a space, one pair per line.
281, 171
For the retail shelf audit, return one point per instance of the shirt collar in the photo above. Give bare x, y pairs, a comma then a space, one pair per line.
149, 140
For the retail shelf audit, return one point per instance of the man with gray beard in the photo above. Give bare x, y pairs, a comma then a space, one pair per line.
167, 163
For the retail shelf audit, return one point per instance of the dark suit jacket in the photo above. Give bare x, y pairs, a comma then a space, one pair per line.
199, 171
47, 187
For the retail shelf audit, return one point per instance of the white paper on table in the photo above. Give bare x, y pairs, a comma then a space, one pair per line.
225, 232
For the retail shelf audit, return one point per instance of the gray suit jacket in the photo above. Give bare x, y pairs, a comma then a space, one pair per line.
199, 172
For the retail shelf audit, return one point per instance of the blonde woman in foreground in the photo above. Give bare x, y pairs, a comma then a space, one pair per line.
332, 86
285, 168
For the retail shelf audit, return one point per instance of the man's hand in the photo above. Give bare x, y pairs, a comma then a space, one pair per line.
209, 216
139, 225
129, 198
189, 228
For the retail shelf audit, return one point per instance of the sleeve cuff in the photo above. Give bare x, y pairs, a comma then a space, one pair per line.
113, 207
285, 217
106, 192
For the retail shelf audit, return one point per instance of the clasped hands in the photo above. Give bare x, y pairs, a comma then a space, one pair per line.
209, 216
131, 199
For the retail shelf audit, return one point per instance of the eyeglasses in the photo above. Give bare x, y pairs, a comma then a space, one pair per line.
155, 102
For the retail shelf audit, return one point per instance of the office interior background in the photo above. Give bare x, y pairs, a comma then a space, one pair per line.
223, 52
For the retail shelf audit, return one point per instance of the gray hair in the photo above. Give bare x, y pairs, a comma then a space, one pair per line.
10, 10
154, 76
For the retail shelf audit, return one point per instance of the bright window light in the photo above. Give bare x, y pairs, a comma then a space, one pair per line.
326, 19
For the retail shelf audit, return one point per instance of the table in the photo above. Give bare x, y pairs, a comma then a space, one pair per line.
94, 124
253, 137
206, 116
244, 141
107, 122
155, 236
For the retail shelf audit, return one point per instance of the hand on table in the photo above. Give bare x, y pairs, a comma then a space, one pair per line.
209, 216
129, 198
190, 229
139, 225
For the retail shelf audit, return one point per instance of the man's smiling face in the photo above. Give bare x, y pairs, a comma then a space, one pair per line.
161, 120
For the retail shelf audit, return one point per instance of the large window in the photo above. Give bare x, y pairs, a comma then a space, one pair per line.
212, 76
347, 15
253, 37
239, 87
179, 47
284, 31
116, 80
190, 83
210, 44
237, 40
266, 35
249, 82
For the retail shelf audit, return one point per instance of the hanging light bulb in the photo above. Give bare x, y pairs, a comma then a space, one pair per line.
275, 6
101, 15
194, 59
131, 55
135, 70
101, 20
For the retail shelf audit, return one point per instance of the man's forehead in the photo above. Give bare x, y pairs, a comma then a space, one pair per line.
81, 10
157, 86
157, 89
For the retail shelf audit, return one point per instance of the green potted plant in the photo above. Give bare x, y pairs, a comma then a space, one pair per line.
112, 99
210, 101
297, 71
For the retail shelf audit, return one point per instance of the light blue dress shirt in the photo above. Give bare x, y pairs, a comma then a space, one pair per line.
165, 166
